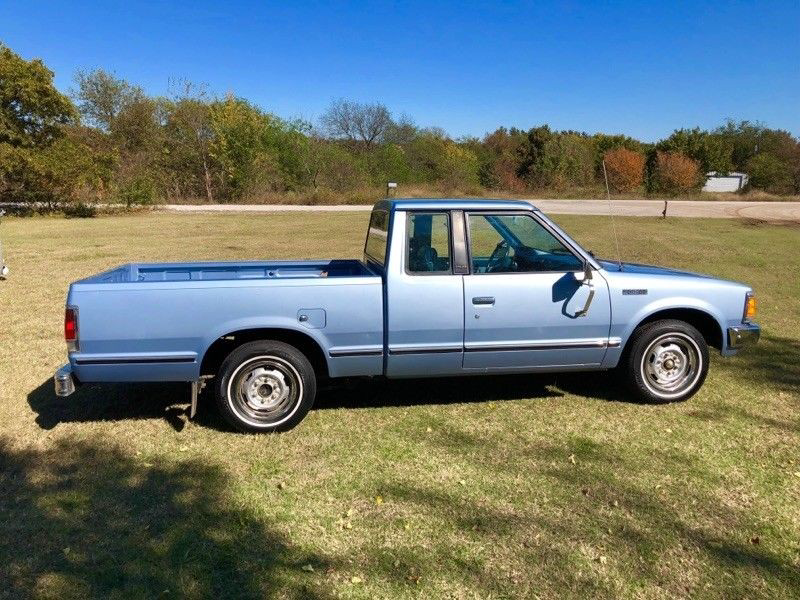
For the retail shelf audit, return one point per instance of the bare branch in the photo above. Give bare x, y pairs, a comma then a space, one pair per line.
356, 122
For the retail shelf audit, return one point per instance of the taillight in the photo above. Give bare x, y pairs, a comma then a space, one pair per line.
71, 328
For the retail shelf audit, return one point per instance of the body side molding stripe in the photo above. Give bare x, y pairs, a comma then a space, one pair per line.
131, 361
399, 351
556, 345
424, 350
338, 353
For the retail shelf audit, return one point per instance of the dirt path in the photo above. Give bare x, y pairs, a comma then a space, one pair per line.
762, 211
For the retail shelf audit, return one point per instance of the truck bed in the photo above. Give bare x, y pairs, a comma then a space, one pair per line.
155, 322
215, 271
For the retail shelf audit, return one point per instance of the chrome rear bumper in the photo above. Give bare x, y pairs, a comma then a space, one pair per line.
742, 335
64, 381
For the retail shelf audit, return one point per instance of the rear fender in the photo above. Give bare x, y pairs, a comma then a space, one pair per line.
286, 323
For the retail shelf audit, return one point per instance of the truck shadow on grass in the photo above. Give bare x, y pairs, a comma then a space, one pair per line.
168, 401
774, 362
458, 390
85, 520
111, 402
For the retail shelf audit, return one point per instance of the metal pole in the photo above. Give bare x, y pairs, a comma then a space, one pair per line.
3, 267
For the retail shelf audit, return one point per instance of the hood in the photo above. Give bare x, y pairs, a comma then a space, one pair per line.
613, 266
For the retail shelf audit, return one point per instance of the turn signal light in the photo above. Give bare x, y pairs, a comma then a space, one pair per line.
750, 307
71, 328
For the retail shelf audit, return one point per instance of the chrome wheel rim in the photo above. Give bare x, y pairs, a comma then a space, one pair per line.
265, 391
671, 365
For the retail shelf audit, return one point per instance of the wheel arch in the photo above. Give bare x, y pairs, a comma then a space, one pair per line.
705, 322
221, 347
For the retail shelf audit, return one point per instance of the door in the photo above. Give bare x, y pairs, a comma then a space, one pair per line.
524, 297
425, 296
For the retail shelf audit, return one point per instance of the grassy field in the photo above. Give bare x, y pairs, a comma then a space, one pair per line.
514, 487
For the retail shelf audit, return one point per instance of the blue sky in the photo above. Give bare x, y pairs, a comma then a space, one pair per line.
639, 68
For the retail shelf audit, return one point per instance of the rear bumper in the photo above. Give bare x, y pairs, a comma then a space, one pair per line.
64, 381
743, 335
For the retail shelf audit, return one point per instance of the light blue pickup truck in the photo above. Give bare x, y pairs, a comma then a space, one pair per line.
446, 287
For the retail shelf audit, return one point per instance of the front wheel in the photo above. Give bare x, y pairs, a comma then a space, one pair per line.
265, 386
667, 362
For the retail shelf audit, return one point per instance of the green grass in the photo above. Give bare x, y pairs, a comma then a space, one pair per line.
545, 486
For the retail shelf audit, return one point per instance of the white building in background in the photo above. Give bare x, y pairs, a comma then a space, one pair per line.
732, 182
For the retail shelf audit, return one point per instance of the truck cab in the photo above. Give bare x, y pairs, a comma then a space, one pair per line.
484, 286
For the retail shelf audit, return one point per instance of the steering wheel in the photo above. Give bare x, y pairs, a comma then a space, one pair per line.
499, 254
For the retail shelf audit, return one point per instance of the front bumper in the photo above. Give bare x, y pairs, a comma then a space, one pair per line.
64, 381
743, 335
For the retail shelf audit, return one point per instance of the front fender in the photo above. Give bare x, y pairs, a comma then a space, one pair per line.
623, 326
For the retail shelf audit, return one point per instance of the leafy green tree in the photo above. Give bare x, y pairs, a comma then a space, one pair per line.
256, 150
750, 140
102, 97
499, 155
744, 138
31, 109
568, 160
435, 158
557, 159
532, 155
388, 162
713, 152
339, 169
188, 136
132, 125
771, 174
37, 162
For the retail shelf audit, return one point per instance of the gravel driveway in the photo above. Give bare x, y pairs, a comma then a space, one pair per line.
761, 211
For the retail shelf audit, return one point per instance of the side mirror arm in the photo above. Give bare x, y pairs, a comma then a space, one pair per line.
586, 279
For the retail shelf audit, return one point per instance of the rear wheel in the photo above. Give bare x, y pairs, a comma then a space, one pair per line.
667, 361
265, 386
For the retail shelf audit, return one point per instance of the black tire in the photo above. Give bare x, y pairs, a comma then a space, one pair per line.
646, 366
265, 386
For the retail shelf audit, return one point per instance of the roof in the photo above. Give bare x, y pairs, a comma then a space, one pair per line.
453, 203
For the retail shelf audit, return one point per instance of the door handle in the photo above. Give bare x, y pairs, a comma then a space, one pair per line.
483, 300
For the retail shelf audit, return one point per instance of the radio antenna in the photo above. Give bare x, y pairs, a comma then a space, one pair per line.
611, 214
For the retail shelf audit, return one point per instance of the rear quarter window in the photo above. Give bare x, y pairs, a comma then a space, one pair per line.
377, 237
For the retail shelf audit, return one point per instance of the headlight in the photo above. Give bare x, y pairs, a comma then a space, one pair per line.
749, 307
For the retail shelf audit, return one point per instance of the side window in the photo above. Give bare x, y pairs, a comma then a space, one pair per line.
377, 236
428, 243
516, 244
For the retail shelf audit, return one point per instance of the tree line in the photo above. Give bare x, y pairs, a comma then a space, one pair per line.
109, 141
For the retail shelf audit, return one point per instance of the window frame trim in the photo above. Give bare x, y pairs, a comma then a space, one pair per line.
516, 213
406, 244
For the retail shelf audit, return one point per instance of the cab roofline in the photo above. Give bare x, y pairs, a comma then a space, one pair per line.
391, 204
